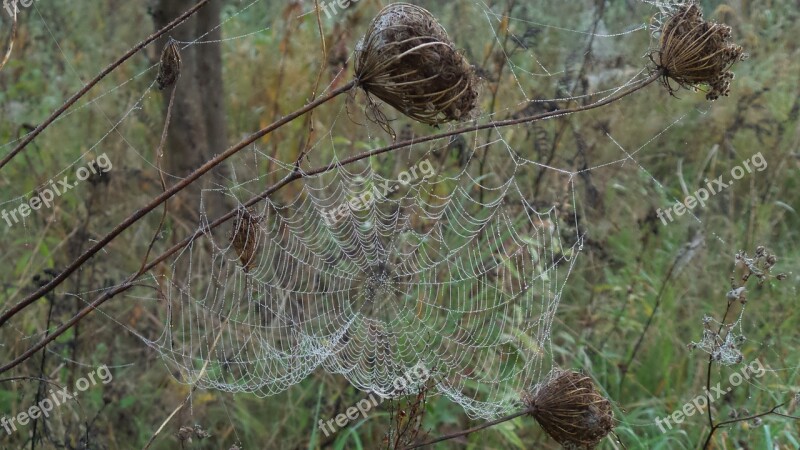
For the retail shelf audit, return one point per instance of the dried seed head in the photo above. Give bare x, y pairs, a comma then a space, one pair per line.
184, 434
170, 67
570, 409
771, 260
245, 238
694, 52
407, 60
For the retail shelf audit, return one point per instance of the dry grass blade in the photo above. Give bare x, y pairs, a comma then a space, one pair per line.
407, 60
570, 409
694, 52
12, 36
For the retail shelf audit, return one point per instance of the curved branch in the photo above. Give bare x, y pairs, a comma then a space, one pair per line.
33, 134
296, 174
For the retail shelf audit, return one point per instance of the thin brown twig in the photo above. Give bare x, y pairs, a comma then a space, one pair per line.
310, 117
679, 260
75, 97
491, 423
708, 370
656, 306
159, 155
194, 387
708, 380
496, 89
295, 175
772, 411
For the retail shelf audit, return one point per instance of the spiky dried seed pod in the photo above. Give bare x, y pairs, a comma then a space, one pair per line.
170, 67
245, 238
694, 52
570, 409
407, 60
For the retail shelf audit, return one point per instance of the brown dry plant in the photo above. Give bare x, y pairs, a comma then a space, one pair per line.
407, 60
245, 238
570, 409
694, 52
170, 67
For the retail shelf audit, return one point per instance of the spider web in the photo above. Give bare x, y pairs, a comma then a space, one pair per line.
433, 274
460, 270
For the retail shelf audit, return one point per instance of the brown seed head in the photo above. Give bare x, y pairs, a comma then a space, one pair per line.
245, 238
407, 60
170, 67
694, 52
570, 409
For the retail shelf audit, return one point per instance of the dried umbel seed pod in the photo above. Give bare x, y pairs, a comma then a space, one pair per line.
245, 238
407, 60
170, 66
570, 409
694, 52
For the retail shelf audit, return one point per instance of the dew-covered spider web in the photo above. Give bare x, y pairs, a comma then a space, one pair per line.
441, 271
454, 254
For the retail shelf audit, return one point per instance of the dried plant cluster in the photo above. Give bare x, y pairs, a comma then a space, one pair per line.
694, 52
185, 435
719, 339
407, 60
406, 417
245, 238
570, 409
170, 67
760, 266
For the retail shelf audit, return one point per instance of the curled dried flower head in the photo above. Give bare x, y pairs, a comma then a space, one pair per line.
245, 238
407, 60
693, 52
170, 67
570, 409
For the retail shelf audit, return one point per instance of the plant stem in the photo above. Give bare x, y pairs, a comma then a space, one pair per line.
492, 423
708, 380
742, 419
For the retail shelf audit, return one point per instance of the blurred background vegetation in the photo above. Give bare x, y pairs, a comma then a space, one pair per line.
270, 56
